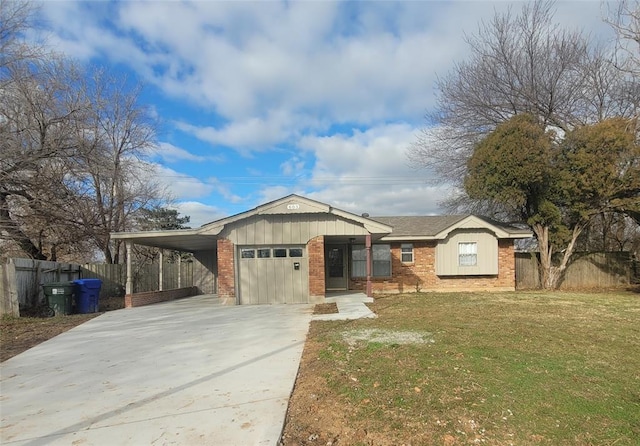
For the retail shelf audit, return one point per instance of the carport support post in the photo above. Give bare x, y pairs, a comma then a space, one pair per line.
180, 270
368, 250
128, 288
160, 269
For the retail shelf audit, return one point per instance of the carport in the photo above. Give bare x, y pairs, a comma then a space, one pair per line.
292, 250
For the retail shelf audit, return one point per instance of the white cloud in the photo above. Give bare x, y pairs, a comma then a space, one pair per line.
272, 68
182, 186
252, 134
199, 213
273, 74
292, 167
363, 172
368, 172
171, 153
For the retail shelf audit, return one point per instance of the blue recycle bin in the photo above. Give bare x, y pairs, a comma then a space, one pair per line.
87, 295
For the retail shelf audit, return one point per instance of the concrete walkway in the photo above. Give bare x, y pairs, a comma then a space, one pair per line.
187, 372
350, 306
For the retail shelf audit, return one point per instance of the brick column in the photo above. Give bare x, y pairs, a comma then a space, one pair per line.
506, 264
226, 269
315, 251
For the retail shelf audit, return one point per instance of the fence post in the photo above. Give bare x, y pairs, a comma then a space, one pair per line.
8, 290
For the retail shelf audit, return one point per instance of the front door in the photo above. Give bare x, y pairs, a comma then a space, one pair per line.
335, 261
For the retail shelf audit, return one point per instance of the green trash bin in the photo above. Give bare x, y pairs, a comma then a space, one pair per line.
60, 296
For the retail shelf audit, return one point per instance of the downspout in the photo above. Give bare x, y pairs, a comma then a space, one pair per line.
368, 251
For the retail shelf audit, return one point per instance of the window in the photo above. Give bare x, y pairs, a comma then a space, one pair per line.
406, 254
380, 259
248, 253
381, 255
279, 252
467, 254
264, 253
295, 252
358, 261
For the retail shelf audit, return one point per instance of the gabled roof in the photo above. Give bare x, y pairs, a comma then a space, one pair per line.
438, 227
207, 234
295, 204
416, 226
388, 228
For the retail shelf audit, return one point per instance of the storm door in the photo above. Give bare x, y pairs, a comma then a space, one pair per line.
335, 261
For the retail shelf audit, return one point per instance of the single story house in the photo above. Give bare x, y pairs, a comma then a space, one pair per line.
296, 250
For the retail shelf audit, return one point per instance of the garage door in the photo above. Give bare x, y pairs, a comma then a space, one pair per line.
273, 275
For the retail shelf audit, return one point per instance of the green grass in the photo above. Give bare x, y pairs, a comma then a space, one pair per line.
507, 368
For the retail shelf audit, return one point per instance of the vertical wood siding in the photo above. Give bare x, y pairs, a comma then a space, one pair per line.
205, 271
447, 254
288, 229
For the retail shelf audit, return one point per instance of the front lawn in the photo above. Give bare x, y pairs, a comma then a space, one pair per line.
474, 368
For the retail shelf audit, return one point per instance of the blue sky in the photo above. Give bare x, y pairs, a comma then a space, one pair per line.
260, 99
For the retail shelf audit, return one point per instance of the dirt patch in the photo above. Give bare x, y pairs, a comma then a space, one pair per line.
329, 308
21, 333
388, 337
315, 416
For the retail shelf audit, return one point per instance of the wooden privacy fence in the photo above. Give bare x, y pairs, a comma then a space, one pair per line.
21, 280
145, 277
586, 270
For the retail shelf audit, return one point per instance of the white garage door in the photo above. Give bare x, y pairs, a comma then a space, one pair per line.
273, 275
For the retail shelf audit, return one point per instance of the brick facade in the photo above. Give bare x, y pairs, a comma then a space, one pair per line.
315, 252
421, 274
226, 269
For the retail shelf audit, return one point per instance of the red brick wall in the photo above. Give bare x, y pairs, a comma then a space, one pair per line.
226, 269
421, 274
315, 252
154, 297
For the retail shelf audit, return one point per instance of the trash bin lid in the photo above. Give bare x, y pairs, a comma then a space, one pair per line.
89, 283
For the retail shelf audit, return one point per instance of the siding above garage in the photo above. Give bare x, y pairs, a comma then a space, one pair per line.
268, 229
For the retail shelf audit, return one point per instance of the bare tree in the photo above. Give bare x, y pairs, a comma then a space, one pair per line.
624, 18
36, 129
110, 174
73, 150
522, 63
15, 18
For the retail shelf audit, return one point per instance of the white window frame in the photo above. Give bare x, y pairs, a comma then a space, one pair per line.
406, 249
467, 254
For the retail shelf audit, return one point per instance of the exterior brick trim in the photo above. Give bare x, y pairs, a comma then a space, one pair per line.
315, 252
226, 269
420, 275
154, 297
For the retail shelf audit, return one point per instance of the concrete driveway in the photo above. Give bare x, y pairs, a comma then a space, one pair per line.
187, 372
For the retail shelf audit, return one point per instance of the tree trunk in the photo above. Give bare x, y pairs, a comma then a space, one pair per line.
546, 251
550, 275
16, 234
